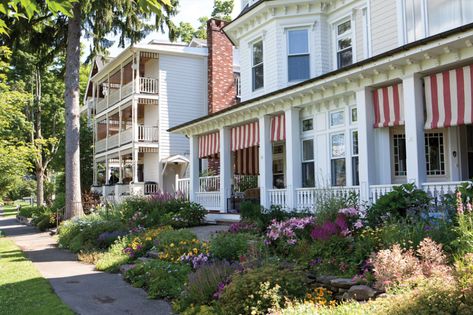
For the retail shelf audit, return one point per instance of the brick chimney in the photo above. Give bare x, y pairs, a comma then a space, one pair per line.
221, 85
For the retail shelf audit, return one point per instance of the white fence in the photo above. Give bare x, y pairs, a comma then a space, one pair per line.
209, 200
309, 198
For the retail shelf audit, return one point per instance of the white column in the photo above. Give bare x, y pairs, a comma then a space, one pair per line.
107, 170
226, 168
194, 167
414, 126
135, 155
120, 168
266, 160
364, 103
293, 156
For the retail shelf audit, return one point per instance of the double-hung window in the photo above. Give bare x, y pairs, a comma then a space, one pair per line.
308, 167
338, 167
354, 158
298, 60
257, 65
344, 44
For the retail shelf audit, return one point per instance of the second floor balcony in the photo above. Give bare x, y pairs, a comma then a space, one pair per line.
142, 134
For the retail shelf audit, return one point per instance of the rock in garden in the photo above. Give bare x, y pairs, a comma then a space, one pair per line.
124, 268
359, 293
144, 259
153, 254
343, 283
325, 279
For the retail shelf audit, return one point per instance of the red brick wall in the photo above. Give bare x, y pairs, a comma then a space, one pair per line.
221, 85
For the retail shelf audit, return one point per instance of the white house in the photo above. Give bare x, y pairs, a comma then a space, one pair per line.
340, 96
134, 98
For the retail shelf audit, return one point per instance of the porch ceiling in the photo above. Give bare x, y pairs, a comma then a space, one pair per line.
424, 56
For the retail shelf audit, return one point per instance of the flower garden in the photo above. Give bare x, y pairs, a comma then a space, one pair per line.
403, 255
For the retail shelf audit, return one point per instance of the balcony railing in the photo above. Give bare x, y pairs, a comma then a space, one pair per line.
149, 85
148, 134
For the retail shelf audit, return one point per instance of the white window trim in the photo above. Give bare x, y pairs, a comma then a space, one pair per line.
257, 40
341, 132
302, 125
350, 110
307, 138
309, 50
335, 37
366, 25
342, 125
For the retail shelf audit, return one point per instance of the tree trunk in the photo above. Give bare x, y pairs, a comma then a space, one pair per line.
39, 186
38, 135
73, 191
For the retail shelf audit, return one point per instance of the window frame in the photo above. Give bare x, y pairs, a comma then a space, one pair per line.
254, 66
343, 123
355, 180
302, 124
289, 55
307, 161
335, 158
442, 156
338, 37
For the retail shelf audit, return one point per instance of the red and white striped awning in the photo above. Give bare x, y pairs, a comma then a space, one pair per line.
448, 98
209, 144
388, 106
245, 136
247, 161
278, 128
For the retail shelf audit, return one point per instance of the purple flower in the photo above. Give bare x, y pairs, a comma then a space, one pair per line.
286, 230
358, 224
341, 222
349, 212
315, 261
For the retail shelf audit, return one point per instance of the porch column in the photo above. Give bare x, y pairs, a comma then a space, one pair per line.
194, 168
364, 103
414, 127
95, 173
135, 165
226, 171
266, 160
107, 170
293, 156
120, 168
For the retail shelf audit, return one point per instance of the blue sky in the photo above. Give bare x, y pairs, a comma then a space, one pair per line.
189, 11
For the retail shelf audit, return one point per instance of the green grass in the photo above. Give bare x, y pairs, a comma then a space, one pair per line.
10, 210
22, 289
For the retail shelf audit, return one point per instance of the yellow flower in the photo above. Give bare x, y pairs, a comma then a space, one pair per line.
172, 245
195, 250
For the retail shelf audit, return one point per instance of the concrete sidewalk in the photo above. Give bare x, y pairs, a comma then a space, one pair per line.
83, 289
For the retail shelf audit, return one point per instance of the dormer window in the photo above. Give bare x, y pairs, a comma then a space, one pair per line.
344, 44
298, 60
257, 65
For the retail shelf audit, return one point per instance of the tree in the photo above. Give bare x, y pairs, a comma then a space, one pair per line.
222, 10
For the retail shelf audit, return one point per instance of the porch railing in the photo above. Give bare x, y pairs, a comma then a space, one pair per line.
127, 89
148, 133
377, 191
126, 136
309, 198
209, 200
149, 85
150, 189
182, 187
101, 145
209, 183
244, 182
113, 141
277, 197
438, 190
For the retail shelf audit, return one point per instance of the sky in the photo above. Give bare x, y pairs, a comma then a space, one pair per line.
189, 11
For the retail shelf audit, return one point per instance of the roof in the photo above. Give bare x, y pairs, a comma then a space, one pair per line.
399, 49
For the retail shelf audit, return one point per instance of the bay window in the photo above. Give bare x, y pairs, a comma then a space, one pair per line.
257, 65
338, 167
343, 41
308, 167
298, 60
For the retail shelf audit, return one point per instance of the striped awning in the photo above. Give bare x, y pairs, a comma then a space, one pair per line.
388, 106
209, 144
448, 98
245, 136
247, 161
278, 128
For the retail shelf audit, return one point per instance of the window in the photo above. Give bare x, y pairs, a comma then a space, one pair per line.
237, 79
308, 167
298, 60
257, 69
354, 158
307, 124
337, 119
399, 155
353, 115
338, 169
344, 45
414, 21
434, 154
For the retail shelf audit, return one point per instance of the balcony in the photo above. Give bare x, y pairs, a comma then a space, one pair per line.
149, 134
144, 85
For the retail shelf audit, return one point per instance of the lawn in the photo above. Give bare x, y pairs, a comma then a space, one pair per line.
11, 210
22, 289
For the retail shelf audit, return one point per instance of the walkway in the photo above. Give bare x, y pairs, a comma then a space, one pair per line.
83, 289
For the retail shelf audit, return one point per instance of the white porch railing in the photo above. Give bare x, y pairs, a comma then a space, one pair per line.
182, 187
148, 133
113, 97
209, 183
377, 191
277, 197
209, 200
149, 85
101, 105
150, 189
308, 198
126, 136
244, 182
127, 89
113, 141
437, 190
101, 145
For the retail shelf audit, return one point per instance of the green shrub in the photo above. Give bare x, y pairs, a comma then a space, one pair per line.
404, 201
245, 290
27, 211
203, 283
114, 257
228, 246
167, 238
160, 279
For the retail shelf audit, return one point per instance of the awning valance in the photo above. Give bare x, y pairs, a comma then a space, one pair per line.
278, 128
388, 106
247, 161
209, 144
245, 136
448, 98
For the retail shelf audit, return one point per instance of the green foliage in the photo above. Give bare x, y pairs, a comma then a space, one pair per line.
86, 154
167, 238
114, 257
328, 205
160, 279
245, 289
229, 246
404, 201
20, 187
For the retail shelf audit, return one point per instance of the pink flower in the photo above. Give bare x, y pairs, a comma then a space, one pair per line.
358, 224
